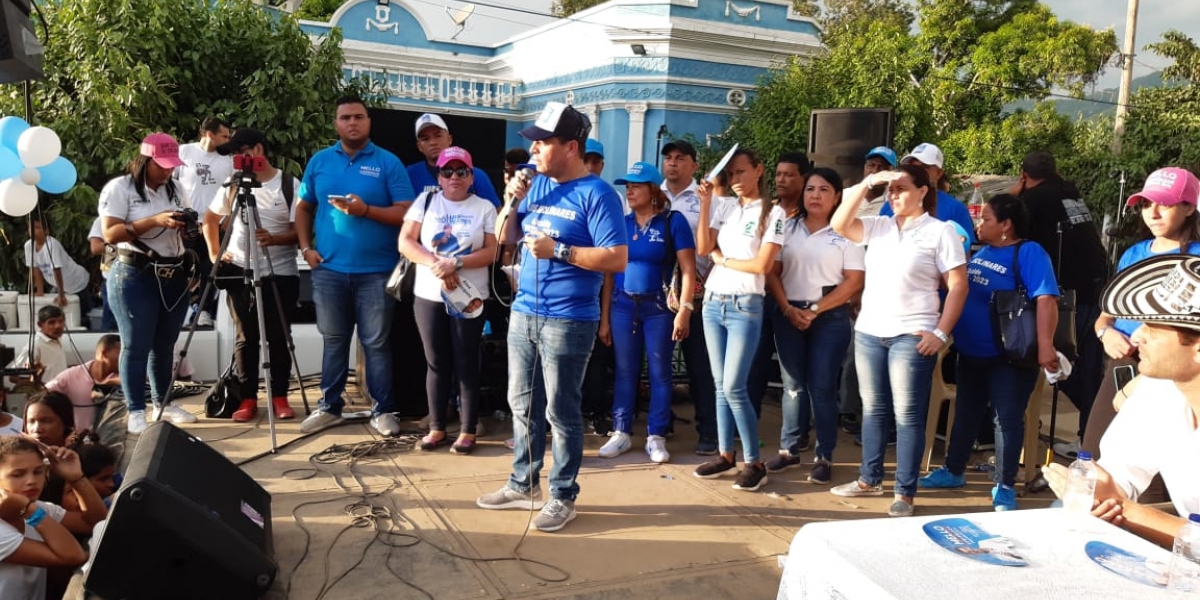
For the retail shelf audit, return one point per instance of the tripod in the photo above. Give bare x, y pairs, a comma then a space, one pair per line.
245, 209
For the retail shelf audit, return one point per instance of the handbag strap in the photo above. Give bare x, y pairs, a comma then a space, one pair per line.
1017, 270
670, 258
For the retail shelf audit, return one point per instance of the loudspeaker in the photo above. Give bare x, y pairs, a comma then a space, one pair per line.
187, 524
21, 52
840, 138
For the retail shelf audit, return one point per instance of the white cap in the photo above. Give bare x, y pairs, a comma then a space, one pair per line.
430, 119
928, 154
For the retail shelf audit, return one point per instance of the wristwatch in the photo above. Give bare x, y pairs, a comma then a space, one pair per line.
813, 307
562, 252
458, 264
1100, 334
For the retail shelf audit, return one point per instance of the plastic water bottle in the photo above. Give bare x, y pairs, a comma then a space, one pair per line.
975, 206
1081, 490
1183, 575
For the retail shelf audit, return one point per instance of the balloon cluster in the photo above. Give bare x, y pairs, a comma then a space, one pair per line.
29, 157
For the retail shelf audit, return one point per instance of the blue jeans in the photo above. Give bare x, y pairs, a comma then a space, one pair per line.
809, 363
893, 377
546, 362
343, 300
149, 311
642, 323
764, 368
732, 326
984, 381
700, 378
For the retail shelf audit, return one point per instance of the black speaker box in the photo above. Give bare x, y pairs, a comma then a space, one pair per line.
187, 524
840, 138
20, 50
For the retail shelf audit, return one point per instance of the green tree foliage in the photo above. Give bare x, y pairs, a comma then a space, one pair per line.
1184, 51
117, 70
318, 10
566, 8
965, 62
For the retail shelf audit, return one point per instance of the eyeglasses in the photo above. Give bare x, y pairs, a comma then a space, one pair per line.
462, 172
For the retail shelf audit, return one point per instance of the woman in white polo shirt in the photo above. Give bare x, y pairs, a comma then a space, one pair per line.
817, 273
743, 238
900, 329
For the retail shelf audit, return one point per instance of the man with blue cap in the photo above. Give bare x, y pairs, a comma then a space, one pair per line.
878, 160
593, 157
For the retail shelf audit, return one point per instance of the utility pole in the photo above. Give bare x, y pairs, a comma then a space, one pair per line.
1126, 75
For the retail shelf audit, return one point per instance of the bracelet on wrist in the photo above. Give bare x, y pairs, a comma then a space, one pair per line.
305, 250
36, 518
941, 335
688, 305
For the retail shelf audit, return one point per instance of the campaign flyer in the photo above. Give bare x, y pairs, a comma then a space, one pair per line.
964, 538
1131, 566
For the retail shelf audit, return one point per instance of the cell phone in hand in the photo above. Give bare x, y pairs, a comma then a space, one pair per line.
1122, 375
334, 198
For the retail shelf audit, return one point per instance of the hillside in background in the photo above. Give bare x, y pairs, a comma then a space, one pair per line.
1085, 108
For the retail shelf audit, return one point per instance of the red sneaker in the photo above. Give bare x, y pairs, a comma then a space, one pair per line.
246, 412
282, 410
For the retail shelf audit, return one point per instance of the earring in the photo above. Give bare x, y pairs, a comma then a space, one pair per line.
1004, 237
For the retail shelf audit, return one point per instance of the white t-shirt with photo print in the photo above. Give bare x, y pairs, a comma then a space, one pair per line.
452, 229
202, 174
737, 238
274, 215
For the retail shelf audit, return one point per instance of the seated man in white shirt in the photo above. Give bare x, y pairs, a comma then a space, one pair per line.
47, 356
1157, 430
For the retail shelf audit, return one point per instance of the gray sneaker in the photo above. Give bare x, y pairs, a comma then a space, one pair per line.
507, 497
386, 424
554, 516
319, 420
900, 508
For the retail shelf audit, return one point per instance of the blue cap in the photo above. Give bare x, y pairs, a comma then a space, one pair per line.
885, 153
641, 172
1084, 455
594, 147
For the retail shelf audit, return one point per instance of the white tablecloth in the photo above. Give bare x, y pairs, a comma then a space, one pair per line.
880, 559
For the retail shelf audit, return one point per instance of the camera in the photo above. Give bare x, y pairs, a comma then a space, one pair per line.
191, 223
248, 163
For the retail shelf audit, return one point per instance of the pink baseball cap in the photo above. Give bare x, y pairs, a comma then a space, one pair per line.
1168, 187
454, 153
163, 149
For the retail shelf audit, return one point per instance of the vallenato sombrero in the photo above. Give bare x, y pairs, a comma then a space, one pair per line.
1162, 289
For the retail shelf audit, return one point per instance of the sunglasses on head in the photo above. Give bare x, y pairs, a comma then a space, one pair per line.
447, 172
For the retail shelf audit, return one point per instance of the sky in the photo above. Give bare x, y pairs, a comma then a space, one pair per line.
1154, 18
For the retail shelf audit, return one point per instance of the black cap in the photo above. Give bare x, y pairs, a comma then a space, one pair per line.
241, 138
682, 146
559, 120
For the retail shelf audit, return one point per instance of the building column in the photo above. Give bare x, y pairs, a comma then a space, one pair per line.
593, 115
637, 129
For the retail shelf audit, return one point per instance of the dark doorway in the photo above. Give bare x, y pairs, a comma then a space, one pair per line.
482, 137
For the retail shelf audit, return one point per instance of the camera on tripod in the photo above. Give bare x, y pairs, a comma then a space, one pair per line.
246, 162
191, 223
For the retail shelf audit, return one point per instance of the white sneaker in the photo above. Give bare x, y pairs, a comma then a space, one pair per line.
1068, 449
319, 420
656, 447
204, 320
174, 414
137, 422
618, 443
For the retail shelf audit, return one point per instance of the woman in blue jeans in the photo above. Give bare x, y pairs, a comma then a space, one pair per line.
743, 236
901, 328
817, 273
141, 214
634, 314
985, 377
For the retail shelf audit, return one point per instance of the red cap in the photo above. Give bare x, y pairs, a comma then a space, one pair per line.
454, 153
163, 149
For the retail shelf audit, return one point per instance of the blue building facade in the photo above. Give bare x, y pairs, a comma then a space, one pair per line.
644, 71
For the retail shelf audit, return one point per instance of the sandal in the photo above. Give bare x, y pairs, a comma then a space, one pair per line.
431, 443
463, 446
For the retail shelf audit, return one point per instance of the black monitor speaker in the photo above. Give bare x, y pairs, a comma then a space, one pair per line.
840, 138
21, 51
187, 524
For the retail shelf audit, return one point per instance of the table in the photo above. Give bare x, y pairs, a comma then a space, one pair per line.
879, 559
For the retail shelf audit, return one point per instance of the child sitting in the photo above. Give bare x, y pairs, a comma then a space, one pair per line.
48, 357
32, 537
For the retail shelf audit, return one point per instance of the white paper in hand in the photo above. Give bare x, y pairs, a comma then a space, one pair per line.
712, 175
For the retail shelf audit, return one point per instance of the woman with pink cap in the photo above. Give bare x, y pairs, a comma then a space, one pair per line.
450, 235
142, 214
1167, 203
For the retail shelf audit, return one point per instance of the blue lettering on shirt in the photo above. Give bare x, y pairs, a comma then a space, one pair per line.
584, 212
990, 270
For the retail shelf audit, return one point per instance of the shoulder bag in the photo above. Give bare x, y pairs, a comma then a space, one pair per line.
1014, 320
400, 284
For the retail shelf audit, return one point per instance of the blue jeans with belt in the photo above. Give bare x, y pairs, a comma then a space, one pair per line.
343, 300
894, 377
732, 326
547, 358
149, 304
642, 322
809, 362
983, 382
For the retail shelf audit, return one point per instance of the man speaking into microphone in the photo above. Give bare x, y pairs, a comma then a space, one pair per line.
571, 229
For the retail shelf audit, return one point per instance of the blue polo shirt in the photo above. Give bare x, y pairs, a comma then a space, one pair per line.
949, 209
991, 270
1137, 253
424, 179
646, 271
584, 212
355, 244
